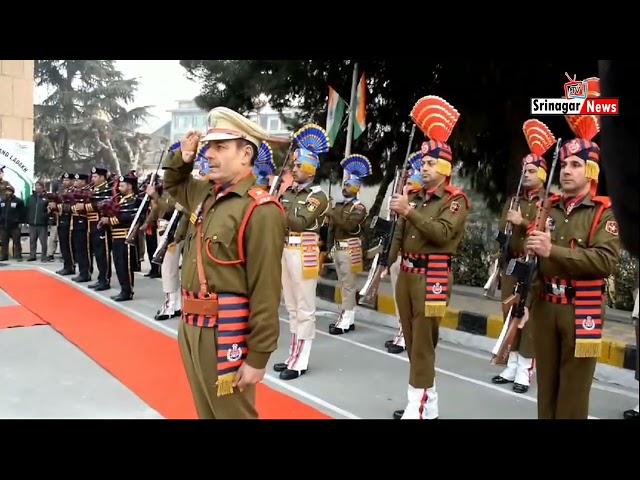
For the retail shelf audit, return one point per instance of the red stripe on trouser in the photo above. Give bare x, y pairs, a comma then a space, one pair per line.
423, 401
292, 347
296, 353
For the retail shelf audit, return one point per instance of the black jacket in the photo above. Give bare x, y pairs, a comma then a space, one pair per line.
37, 213
12, 212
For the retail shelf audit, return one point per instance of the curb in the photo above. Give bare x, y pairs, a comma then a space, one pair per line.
614, 353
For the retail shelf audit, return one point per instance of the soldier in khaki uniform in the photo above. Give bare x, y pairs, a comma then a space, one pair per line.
230, 289
576, 253
428, 233
346, 220
521, 212
305, 205
414, 184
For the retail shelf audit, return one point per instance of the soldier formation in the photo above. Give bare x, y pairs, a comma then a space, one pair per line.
249, 238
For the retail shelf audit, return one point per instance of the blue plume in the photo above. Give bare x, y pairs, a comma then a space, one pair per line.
312, 137
357, 165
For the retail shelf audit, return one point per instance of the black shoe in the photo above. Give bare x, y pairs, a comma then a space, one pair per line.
102, 287
387, 343
630, 415
65, 271
164, 316
291, 374
50, 258
395, 349
94, 285
500, 380
333, 330
155, 275
177, 313
81, 279
519, 388
280, 367
397, 415
122, 297
31, 259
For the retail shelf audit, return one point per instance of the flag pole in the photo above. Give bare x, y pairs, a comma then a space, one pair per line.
352, 101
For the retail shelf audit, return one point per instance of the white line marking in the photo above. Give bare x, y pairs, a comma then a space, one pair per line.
335, 337
440, 370
174, 333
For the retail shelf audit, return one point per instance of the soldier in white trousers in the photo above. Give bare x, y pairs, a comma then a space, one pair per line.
345, 221
305, 205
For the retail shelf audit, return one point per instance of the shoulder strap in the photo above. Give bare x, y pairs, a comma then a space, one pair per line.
259, 197
453, 192
604, 204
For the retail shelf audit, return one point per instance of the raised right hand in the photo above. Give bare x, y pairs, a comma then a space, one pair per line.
189, 145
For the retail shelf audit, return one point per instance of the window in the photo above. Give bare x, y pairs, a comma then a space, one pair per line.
274, 124
264, 119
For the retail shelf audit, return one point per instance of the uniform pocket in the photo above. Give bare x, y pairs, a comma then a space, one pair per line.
222, 245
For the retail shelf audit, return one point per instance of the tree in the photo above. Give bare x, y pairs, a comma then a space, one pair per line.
493, 98
84, 119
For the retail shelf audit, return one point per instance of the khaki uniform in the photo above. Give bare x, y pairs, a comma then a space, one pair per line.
305, 208
430, 233
246, 292
520, 364
346, 220
565, 365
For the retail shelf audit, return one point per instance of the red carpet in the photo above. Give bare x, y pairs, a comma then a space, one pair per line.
146, 361
18, 316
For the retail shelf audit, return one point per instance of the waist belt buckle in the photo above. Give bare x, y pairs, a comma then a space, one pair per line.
558, 290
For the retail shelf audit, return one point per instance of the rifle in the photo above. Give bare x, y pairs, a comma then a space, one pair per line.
504, 237
524, 271
132, 234
329, 226
385, 228
277, 181
504, 240
167, 237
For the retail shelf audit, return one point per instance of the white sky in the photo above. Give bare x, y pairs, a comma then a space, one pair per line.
161, 84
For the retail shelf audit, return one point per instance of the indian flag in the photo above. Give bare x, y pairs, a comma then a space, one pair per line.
335, 112
361, 113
